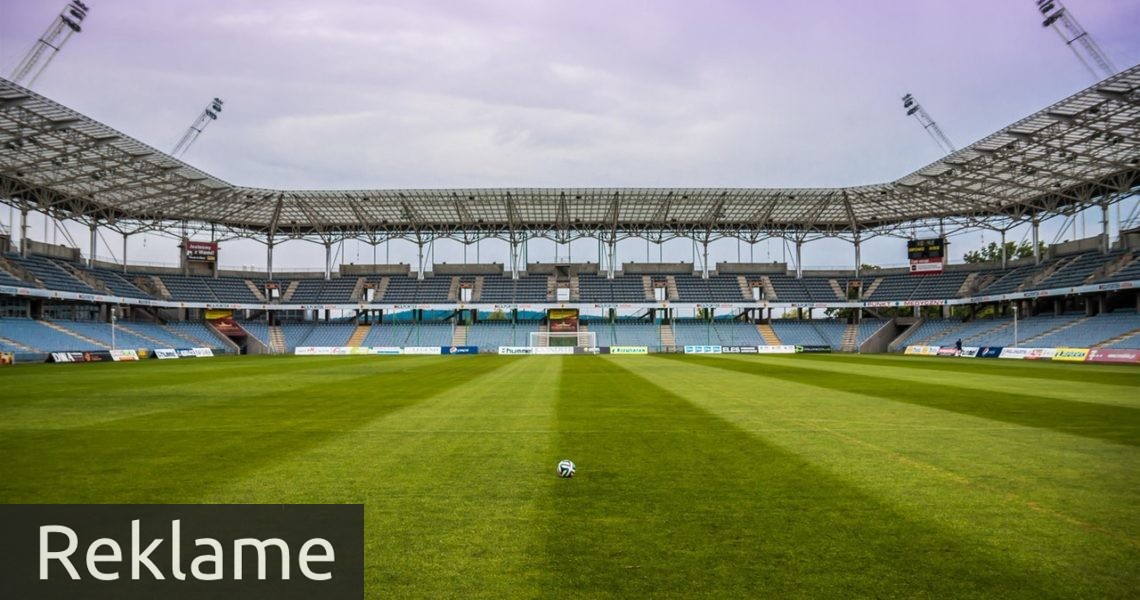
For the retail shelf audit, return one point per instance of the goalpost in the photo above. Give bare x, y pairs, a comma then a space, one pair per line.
581, 339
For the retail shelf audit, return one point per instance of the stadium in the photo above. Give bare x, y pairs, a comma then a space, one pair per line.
740, 428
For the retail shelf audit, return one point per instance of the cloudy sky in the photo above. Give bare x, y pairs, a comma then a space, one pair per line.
482, 93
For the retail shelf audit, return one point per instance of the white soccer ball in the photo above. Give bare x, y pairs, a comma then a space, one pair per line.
566, 468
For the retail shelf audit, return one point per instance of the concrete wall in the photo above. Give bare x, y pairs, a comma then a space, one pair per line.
467, 269
656, 268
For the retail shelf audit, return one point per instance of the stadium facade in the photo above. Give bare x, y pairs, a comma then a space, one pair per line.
1078, 154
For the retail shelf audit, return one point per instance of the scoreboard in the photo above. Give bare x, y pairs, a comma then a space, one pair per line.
925, 256
202, 251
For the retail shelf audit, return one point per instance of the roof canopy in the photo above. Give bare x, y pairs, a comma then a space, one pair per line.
1080, 151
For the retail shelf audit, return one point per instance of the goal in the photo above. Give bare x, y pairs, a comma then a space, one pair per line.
581, 339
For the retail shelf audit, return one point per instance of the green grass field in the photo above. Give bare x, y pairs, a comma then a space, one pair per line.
797, 476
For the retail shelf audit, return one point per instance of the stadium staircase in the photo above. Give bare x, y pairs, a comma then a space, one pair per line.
87, 278
668, 339
276, 339
671, 289
453, 290
1037, 278
459, 336
1110, 269
647, 287
74, 334
288, 295
358, 289
17, 345
157, 343
1062, 327
190, 342
850, 337
574, 293
835, 288
357, 338
769, 291
154, 285
745, 290
19, 272
769, 334
552, 288
381, 289
253, 290
1121, 337
477, 289
871, 288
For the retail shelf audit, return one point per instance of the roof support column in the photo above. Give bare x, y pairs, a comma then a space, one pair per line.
328, 260
24, 229
1107, 243
705, 260
858, 256
1004, 258
611, 257
799, 259
125, 234
514, 258
1036, 237
94, 229
269, 258
420, 260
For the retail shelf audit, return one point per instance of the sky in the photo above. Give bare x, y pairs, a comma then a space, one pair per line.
340, 94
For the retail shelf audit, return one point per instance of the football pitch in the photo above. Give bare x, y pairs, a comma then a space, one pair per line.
719, 476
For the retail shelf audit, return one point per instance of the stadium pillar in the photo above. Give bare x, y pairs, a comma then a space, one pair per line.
858, 255
799, 259
1003, 256
94, 233
328, 260
24, 230
611, 257
705, 260
1036, 244
1105, 246
125, 234
420, 260
269, 258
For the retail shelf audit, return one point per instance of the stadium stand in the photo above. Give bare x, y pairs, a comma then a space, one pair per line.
491, 334
627, 332
798, 332
410, 334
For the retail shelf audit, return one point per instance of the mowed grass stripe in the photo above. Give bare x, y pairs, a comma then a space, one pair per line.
1123, 375
450, 484
1117, 424
671, 500
1099, 384
184, 451
1062, 507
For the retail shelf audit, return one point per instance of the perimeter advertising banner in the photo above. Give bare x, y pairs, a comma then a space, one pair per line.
1071, 354
460, 350
80, 357
968, 352
628, 350
516, 350
703, 350
1114, 355
124, 355
922, 350
989, 351
164, 353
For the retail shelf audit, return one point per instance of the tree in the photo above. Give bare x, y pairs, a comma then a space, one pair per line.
992, 252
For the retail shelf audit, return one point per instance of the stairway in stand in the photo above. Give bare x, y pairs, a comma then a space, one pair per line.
668, 340
459, 336
769, 334
276, 340
851, 338
357, 338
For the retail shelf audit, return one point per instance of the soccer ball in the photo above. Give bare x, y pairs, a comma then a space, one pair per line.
566, 468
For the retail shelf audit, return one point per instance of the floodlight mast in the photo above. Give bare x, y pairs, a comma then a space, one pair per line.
50, 43
209, 115
914, 109
1076, 38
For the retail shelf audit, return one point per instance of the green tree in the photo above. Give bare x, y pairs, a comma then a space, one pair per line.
992, 252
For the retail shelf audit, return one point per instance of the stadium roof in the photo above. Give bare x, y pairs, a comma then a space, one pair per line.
1080, 151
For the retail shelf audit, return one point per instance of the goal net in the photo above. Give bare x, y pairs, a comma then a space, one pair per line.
581, 339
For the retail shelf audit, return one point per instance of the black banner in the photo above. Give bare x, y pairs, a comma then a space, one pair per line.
812, 349
182, 551
80, 357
